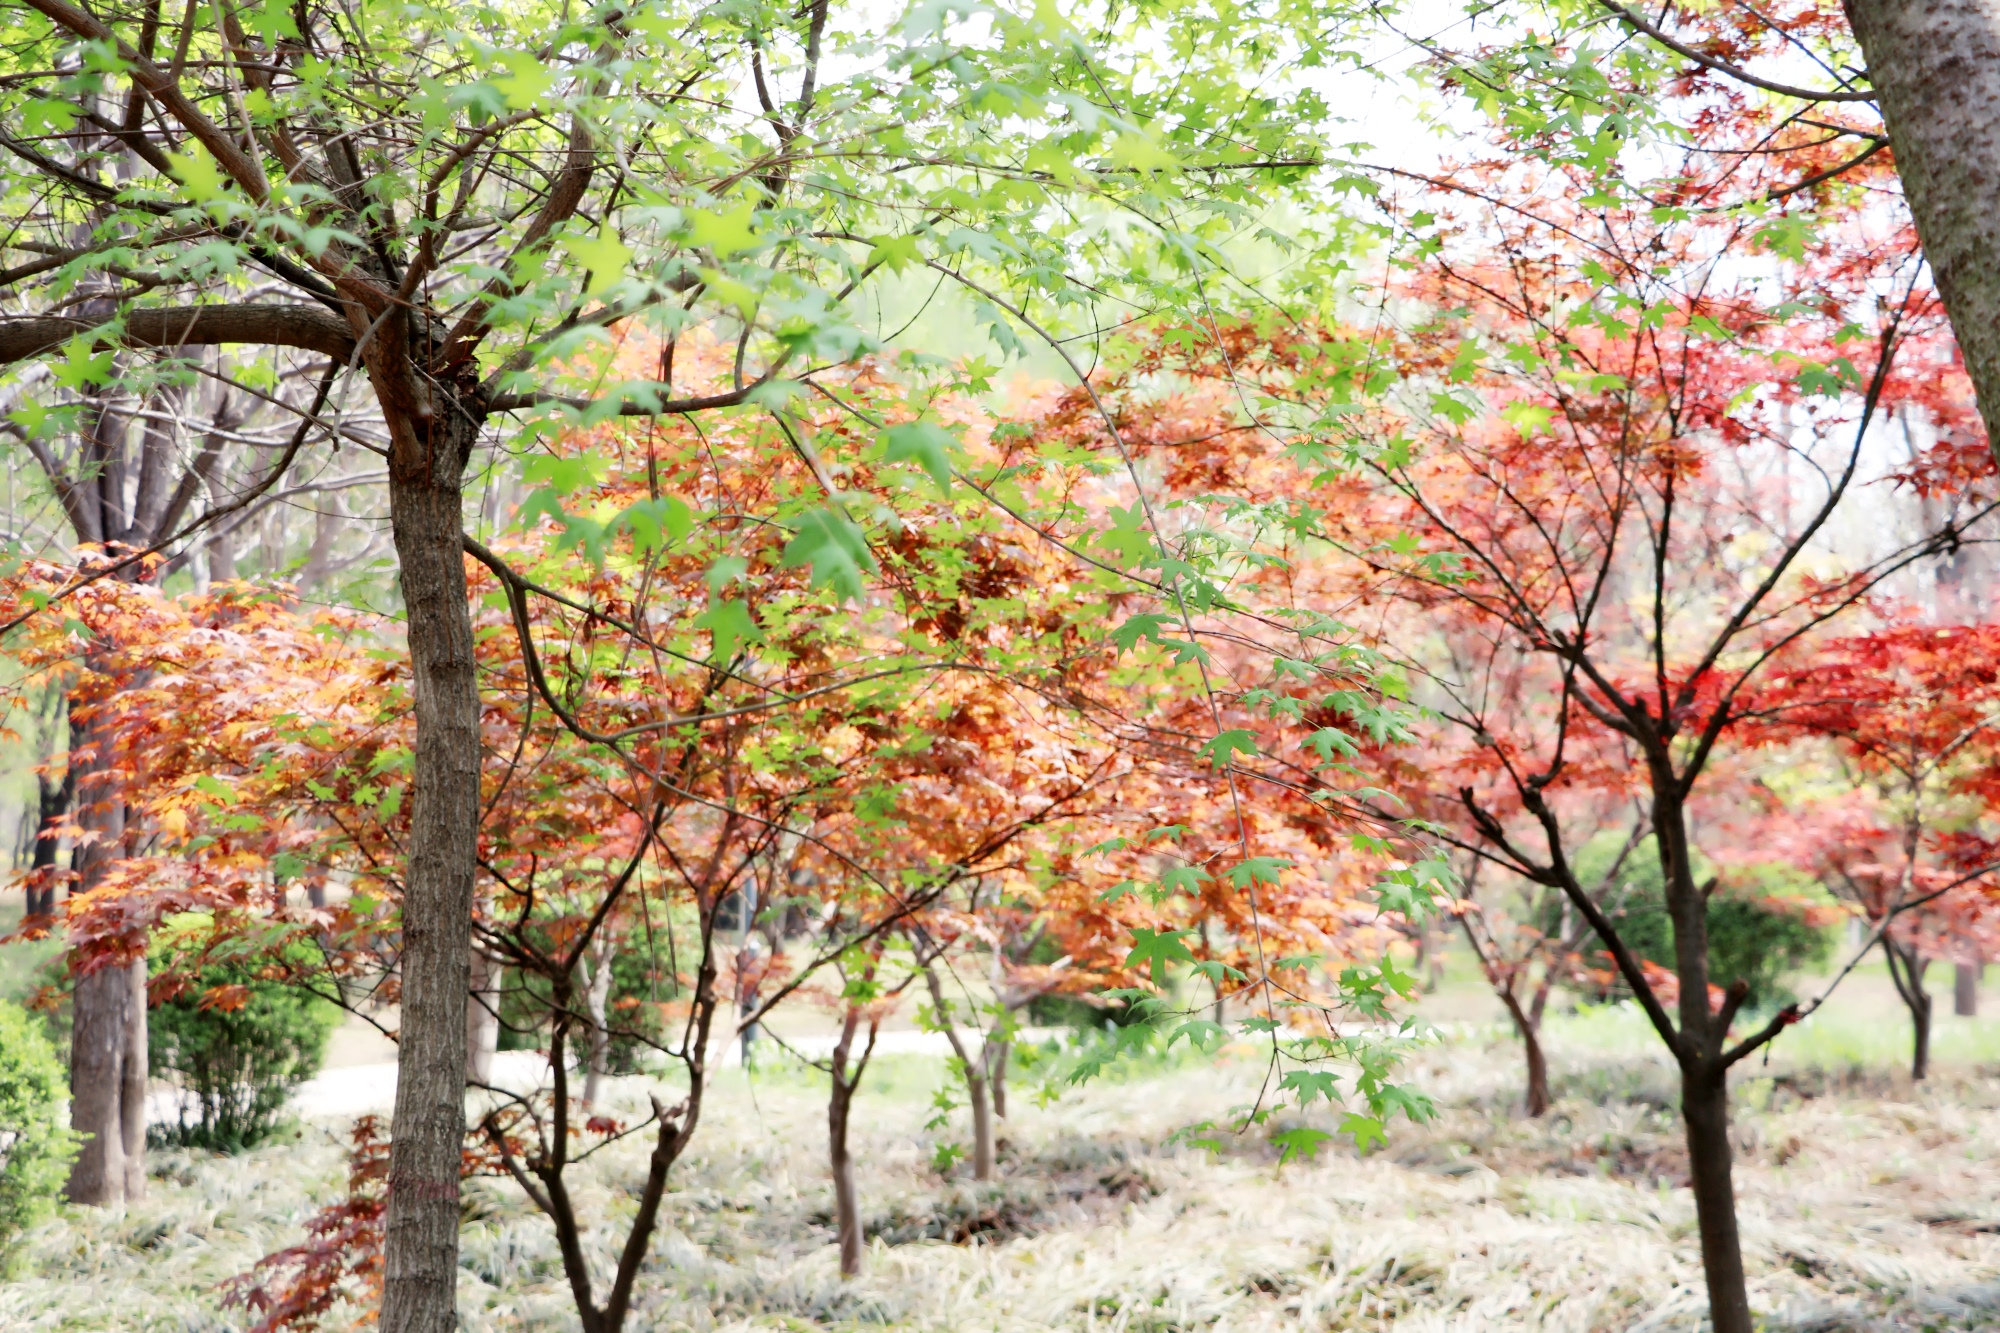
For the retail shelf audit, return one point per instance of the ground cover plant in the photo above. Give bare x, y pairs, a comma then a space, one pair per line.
1869, 1207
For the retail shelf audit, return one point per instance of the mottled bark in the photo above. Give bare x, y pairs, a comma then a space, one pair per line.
597, 997
840, 1103
1935, 65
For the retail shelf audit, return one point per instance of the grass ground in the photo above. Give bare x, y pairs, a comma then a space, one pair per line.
1866, 1203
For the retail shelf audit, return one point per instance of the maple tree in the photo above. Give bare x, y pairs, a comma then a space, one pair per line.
1903, 832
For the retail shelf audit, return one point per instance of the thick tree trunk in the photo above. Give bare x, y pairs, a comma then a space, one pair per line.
421, 1245
1705, 1109
98, 1049
1965, 990
1935, 65
108, 1034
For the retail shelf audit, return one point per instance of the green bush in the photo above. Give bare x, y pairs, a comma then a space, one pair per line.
1748, 939
236, 1066
35, 1146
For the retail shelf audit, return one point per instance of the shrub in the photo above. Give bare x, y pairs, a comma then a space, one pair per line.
236, 1060
35, 1147
1758, 926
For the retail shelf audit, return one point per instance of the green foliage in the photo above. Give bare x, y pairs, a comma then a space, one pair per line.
1753, 934
236, 1063
35, 1146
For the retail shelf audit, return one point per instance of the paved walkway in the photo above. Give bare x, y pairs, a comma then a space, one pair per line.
355, 1089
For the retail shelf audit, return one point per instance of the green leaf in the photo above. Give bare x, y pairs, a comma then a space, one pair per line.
725, 233
1220, 751
604, 255
730, 626
1257, 870
1299, 1141
829, 541
1159, 948
927, 444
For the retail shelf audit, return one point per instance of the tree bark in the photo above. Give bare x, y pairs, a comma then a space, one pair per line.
597, 998
98, 1049
1965, 990
1002, 1048
108, 1040
1705, 1111
52, 806
1906, 970
982, 1124
482, 1019
846, 1205
428, 456
1537, 1100
132, 1082
1935, 65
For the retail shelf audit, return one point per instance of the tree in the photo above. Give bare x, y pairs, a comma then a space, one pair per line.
454, 207
1910, 711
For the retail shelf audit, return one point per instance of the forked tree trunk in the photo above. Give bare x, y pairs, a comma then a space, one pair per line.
1935, 65
421, 1234
1906, 970
1965, 990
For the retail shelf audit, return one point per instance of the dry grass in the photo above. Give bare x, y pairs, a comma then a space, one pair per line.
1866, 1205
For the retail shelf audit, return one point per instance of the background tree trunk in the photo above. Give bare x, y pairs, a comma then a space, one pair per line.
597, 998
132, 1082
421, 1243
482, 1019
1965, 990
1935, 65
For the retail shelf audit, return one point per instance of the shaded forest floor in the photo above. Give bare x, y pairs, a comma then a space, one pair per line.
1867, 1204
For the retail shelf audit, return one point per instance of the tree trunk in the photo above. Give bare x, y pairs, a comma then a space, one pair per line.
1002, 1047
108, 1039
1906, 970
482, 1019
1537, 1100
1705, 1109
53, 805
420, 1266
1935, 65
846, 1206
1965, 990
597, 1000
982, 1125
1704, 1078
98, 1048
132, 1082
